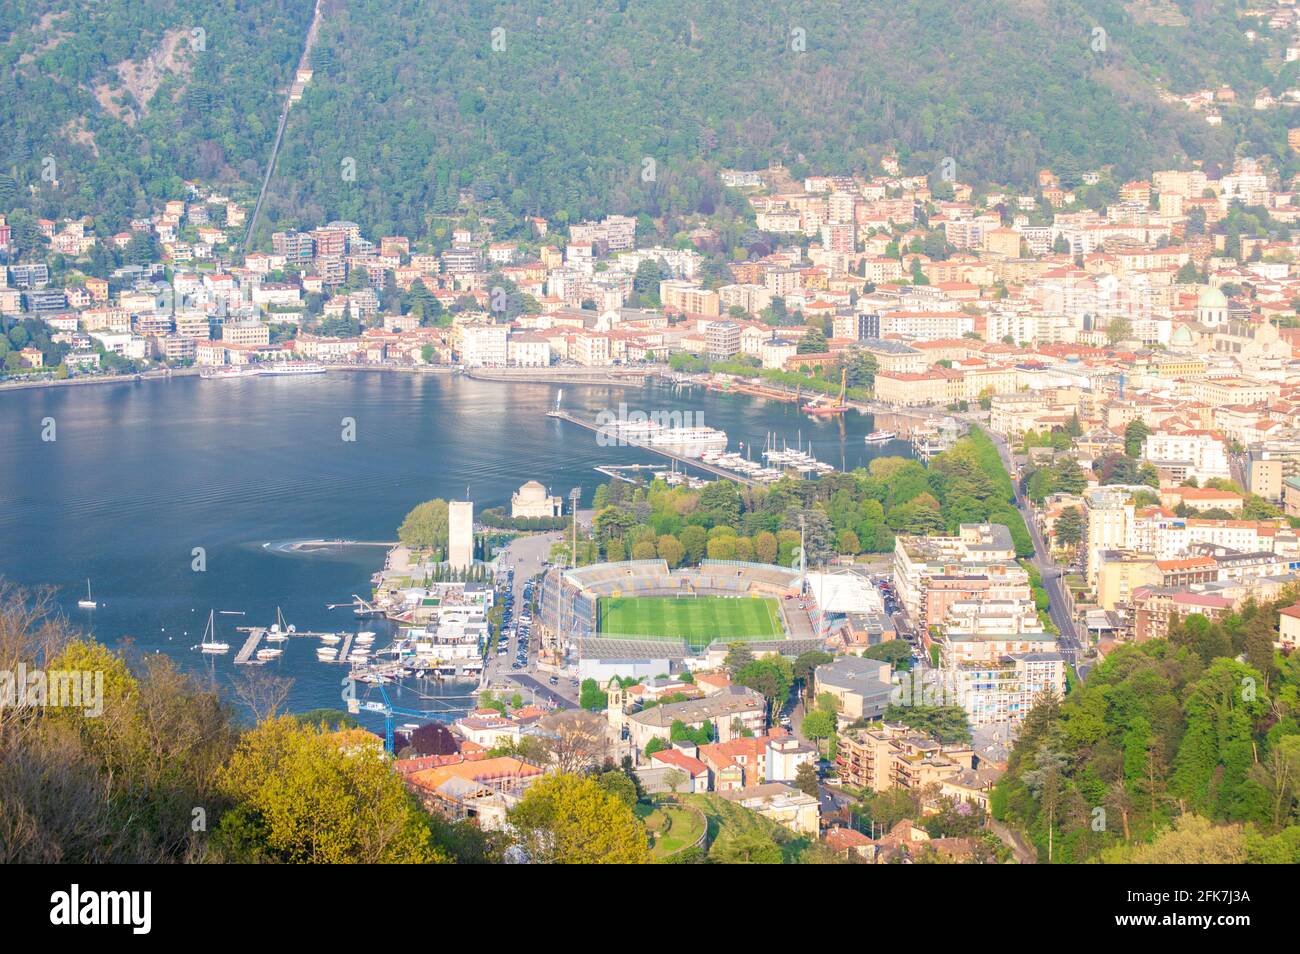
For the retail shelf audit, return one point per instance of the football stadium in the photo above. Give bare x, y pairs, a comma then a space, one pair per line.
639, 618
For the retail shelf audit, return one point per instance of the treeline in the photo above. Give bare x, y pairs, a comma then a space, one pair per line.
78, 141
1186, 747
839, 514
553, 108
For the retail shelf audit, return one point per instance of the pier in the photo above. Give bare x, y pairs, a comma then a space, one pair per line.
680, 458
245, 656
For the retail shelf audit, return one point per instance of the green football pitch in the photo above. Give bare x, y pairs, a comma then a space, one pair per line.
697, 619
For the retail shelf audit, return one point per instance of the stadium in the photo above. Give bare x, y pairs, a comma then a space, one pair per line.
639, 618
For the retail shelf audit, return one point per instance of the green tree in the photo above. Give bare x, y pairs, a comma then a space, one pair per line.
571, 819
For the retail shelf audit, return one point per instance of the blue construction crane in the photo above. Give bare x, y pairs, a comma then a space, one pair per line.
386, 709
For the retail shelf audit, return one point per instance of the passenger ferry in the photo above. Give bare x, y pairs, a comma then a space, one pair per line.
879, 437
280, 368
689, 437
227, 373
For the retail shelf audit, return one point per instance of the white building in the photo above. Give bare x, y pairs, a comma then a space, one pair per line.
460, 534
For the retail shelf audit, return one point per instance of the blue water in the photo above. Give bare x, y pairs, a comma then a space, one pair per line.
139, 474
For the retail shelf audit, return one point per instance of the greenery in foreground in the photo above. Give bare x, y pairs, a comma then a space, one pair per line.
1172, 748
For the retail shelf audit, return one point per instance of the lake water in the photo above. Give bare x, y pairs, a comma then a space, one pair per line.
139, 474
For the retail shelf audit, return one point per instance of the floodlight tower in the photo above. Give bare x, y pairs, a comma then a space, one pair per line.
574, 496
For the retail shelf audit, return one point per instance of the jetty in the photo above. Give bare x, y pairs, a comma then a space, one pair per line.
246, 655
654, 449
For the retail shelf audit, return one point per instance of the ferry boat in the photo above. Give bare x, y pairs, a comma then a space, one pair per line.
689, 437
292, 367
222, 374
879, 437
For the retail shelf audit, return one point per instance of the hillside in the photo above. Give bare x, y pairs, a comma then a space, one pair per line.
551, 107
128, 100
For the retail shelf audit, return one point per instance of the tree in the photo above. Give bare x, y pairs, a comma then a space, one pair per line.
818, 725
772, 677
675, 779
751, 847
814, 342
805, 779
571, 819
1069, 527
592, 697
671, 550
1134, 434
306, 796
425, 526
1119, 329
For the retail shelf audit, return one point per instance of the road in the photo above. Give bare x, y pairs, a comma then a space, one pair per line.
526, 556
1069, 644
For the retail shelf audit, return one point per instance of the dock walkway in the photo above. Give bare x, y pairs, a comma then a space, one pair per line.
680, 458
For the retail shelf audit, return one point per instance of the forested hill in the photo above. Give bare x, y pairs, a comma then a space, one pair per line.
552, 106
130, 97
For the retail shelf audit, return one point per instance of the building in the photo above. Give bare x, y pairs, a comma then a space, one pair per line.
862, 687
532, 501
1288, 637
722, 339
893, 755
783, 804
460, 534
732, 713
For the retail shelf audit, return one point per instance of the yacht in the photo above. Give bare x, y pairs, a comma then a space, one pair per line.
330, 639
327, 653
269, 652
210, 643
690, 437
279, 631
229, 372
292, 367
88, 602
365, 639
879, 437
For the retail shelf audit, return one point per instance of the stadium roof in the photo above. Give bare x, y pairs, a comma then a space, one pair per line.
844, 593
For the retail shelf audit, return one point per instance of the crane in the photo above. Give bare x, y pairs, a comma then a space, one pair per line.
388, 710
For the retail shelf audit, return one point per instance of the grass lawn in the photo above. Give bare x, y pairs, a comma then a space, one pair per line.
697, 619
672, 827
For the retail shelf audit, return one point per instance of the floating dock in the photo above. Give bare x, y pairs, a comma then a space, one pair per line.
245, 656
654, 449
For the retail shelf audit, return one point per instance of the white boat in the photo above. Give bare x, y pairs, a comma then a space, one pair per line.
327, 654
690, 437
227, 373
365, 639
269, 653
330, 638
281, 368
210, 643
279, 632
88, 602
879, 437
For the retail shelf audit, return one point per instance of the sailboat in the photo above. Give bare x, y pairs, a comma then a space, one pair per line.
279, 632
88, 602
210, 643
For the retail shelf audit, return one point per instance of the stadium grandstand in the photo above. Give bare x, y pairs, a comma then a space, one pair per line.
639, 618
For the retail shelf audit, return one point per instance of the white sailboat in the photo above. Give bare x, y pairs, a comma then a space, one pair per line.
210, 643
88, 602
279, 632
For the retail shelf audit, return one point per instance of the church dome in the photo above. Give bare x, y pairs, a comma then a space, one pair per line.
1210, 297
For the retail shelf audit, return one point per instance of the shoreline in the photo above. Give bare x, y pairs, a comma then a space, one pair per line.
636, 378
